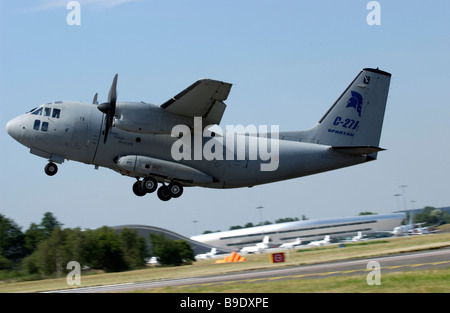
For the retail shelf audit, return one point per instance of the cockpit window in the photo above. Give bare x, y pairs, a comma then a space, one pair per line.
56, 113
37, 111
46, 111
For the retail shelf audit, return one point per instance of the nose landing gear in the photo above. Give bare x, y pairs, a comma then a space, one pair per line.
51, 169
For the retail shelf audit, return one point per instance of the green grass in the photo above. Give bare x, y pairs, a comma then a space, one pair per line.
258, 261
428, 281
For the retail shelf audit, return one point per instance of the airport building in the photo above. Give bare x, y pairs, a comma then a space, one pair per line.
145, 231
307, 231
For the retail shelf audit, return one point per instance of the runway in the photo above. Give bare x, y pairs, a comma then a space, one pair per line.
400, 262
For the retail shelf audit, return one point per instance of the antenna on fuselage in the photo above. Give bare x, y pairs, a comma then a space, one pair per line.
94, 101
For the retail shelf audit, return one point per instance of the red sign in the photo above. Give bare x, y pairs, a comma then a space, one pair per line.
277, 257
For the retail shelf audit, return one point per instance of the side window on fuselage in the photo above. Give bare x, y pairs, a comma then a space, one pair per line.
37, 124
44, 126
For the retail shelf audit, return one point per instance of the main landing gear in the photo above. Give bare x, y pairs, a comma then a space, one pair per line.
165, 193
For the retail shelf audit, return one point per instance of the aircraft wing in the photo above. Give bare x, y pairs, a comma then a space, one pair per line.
203, 98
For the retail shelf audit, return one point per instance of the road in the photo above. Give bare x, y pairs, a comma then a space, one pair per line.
400, 262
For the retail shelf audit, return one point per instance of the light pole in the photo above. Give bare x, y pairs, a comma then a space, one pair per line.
413, 207
398, 201
260, 207
195, 227
404, 196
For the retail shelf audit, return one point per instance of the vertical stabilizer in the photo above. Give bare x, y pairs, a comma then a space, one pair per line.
356, 118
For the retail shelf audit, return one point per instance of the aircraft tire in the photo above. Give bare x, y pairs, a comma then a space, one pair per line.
163, 193
51, 169
175, 189
138, 191
149, 184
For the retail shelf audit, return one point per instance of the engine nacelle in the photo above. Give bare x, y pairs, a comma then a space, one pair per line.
138, 165
146, 118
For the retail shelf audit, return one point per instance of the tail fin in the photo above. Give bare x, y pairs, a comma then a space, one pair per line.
356, 118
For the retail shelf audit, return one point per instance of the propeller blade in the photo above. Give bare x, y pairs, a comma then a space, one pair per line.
109, 108
107, 126
94, 101
112, 95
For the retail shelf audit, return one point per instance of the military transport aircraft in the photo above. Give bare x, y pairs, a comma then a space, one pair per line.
173, 144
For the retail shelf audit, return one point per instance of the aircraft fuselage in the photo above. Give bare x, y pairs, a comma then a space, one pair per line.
77, 135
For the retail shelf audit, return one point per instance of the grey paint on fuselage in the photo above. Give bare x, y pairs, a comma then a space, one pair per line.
348, 134
77, 136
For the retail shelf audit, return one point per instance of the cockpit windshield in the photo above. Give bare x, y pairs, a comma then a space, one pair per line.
46, 111
37, 111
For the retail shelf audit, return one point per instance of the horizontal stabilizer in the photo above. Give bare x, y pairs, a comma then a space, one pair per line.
357, 150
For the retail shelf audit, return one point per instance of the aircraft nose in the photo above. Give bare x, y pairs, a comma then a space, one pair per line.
13, 129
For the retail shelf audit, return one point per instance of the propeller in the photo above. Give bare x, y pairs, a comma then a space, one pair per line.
109, 108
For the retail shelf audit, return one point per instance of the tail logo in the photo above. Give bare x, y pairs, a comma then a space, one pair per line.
355, 102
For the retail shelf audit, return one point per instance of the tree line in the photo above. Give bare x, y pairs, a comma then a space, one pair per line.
44, 249
431, 216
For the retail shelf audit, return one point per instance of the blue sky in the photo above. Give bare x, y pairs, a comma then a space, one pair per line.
288, 61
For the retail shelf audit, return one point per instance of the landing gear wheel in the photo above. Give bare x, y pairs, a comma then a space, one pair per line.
138, 191
163, 193
51, 169
149, 184
175, 189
